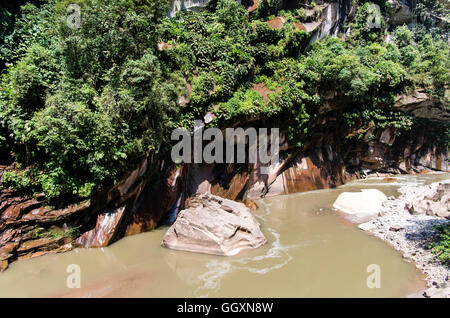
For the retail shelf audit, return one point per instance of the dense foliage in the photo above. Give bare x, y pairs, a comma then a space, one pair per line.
79, 106
441, 248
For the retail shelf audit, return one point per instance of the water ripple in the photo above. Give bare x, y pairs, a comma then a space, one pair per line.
217, 269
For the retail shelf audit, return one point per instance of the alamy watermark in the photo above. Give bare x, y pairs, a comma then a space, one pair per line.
374, 18
260, 149
374, 279
74, 16
74, 279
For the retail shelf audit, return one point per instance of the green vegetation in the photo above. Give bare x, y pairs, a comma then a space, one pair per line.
54, 233
80, 106
441, 248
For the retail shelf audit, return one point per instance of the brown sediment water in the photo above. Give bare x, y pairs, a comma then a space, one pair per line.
311, 252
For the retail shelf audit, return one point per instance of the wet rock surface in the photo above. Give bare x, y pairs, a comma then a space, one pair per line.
389, 150
213, 225
411, 234
103, 233
154, 192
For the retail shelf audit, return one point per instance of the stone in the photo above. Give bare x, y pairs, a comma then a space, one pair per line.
431, 200
104, 231
198, 178
368, 226
317, 169
48, 215
232, 186
40, 244
250, 204
5, 250
154, 202
422, 105
362, 206
396, 228
214, 225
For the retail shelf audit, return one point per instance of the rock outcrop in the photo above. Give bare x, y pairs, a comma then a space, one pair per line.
319, 168
333, 16
395, 151
29, 228
399, 13
213, 225
422, 105
359, 207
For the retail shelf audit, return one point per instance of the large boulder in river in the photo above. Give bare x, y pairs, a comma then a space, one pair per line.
362, 206
213, 225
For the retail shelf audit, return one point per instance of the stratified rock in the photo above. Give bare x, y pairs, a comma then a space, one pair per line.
213, 225
432, 200
361, 206
104, 231
250, 204
153, 202
232, 185
422, 105
318, 168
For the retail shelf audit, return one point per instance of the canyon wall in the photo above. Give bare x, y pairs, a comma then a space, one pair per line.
155, 190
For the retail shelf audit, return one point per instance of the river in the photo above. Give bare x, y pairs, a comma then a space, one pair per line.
311, 252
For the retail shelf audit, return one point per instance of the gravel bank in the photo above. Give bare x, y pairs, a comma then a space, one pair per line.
410, 234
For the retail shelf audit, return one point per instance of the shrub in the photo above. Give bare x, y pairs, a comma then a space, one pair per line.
441, 248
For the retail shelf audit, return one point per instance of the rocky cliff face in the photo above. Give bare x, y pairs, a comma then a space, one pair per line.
155, 191
29, 228
387, 150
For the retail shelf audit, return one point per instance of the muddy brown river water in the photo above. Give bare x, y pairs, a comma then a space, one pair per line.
312, 252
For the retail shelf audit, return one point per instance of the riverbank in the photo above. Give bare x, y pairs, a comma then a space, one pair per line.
411, 233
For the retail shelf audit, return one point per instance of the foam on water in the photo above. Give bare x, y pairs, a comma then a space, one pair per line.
219, 269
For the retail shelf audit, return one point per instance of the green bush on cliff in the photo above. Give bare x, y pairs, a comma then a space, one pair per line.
428, 61
19, 181
83, 105
364, 33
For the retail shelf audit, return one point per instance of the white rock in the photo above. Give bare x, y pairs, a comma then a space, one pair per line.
368, 226
362, 206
